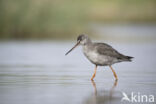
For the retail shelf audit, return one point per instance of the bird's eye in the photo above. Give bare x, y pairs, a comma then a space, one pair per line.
79, 38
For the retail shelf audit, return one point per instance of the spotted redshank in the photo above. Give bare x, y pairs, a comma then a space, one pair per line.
100, 54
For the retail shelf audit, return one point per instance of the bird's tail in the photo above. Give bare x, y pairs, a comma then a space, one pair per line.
128, 58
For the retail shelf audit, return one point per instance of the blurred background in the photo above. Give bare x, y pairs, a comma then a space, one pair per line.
36, 34
65, 19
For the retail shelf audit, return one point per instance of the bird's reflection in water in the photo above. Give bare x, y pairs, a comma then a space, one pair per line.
95, 90
111, 90
113, 87
104, 96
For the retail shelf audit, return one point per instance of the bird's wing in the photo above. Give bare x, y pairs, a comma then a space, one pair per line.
105, 49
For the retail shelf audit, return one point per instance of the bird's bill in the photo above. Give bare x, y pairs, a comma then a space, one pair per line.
73, 47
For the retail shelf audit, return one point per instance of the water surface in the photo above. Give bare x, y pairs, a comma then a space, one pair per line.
39, 72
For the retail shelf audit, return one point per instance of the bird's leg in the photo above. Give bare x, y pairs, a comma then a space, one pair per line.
94, 73
114, 73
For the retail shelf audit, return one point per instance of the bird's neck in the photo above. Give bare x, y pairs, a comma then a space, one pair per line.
88, 42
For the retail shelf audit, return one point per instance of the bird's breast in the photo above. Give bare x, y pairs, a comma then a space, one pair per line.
91, 54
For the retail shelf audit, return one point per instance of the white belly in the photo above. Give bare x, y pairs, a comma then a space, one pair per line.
92, 56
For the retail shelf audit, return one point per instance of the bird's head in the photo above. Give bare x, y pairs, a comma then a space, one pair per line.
81, 40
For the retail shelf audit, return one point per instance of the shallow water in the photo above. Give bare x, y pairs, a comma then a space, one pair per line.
39, 72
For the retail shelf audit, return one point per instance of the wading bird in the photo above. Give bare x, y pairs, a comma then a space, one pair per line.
100, 54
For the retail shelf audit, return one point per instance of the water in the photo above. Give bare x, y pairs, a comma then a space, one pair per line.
39, 72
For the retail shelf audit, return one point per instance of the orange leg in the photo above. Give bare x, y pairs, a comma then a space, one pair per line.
114, 73
94, 73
